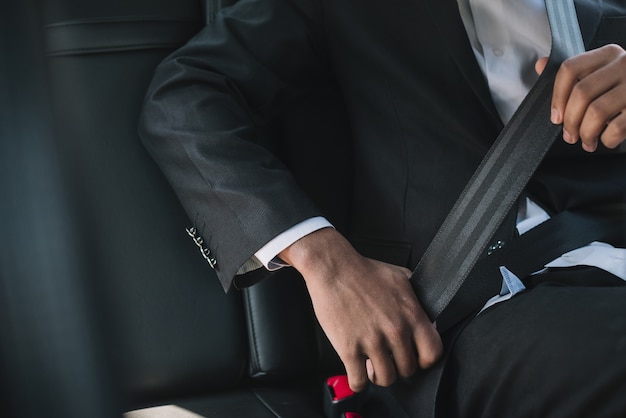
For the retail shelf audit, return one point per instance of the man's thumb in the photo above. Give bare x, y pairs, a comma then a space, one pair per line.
540, 65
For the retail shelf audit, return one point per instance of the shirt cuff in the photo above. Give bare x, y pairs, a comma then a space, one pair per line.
268, 254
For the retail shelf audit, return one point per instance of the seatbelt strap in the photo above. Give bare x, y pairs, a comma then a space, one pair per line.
530, 252
500, 178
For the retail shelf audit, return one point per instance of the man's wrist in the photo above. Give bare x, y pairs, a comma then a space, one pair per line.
269, 254
324, 249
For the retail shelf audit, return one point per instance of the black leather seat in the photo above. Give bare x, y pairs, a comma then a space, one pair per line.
161, 329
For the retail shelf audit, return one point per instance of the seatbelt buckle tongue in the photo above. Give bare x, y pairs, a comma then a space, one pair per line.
339, 400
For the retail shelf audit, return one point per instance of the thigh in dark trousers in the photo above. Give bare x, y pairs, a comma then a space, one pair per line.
556, 350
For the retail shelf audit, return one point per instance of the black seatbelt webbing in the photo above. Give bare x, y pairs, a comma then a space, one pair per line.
500, 178
530, 252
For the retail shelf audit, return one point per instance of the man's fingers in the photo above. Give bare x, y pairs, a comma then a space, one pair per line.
405, 358
399, 354
590, 105
566, 79
356, 371
406, 355
429, 345
571, 71
540, 65
588, 94
615, 132
382, 365
600, 115
383, 371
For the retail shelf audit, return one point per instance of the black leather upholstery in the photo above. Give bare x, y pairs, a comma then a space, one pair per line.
52, 361
286, 342
163, 328
176, 329
148, 321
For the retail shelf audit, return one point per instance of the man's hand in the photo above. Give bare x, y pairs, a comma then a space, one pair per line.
367, 309
589, 97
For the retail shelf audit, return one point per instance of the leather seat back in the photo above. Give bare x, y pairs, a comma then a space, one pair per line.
173, 330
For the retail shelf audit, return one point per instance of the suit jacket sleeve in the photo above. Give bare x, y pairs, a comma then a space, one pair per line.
204, 116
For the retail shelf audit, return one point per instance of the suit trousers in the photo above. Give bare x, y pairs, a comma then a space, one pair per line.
556, 350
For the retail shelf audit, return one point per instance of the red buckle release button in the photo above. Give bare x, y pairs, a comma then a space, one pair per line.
340, 387
352, 415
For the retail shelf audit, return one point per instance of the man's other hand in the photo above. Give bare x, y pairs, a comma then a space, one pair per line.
589, 97
367, 309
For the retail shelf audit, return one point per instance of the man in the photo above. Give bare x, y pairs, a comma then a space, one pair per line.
425, 95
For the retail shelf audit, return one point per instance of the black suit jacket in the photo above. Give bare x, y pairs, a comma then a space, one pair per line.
390, 91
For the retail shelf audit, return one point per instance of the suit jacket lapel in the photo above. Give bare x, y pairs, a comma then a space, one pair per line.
589, 14
452, 30
448, 19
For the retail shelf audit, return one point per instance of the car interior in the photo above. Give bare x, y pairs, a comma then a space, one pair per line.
106, 306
